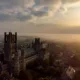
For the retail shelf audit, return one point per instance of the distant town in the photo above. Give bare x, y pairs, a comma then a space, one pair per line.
37, 59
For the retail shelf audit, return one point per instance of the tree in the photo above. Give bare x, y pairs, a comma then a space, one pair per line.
25, 75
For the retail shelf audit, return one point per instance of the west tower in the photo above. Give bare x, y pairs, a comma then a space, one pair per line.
10, 45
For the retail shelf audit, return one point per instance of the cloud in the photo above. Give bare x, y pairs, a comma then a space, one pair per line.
51, 5
23, 17
69, 1
4, 17
46, 2
15, 3
68, 4
23, 27
23, 10
39, 13
57, 29
20, 16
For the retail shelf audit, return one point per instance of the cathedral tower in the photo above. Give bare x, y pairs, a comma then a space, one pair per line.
10, 45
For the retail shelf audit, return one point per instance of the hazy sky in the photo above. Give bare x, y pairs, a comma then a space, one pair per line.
40, 16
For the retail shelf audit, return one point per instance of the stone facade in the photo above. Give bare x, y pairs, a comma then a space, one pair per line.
10, 45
